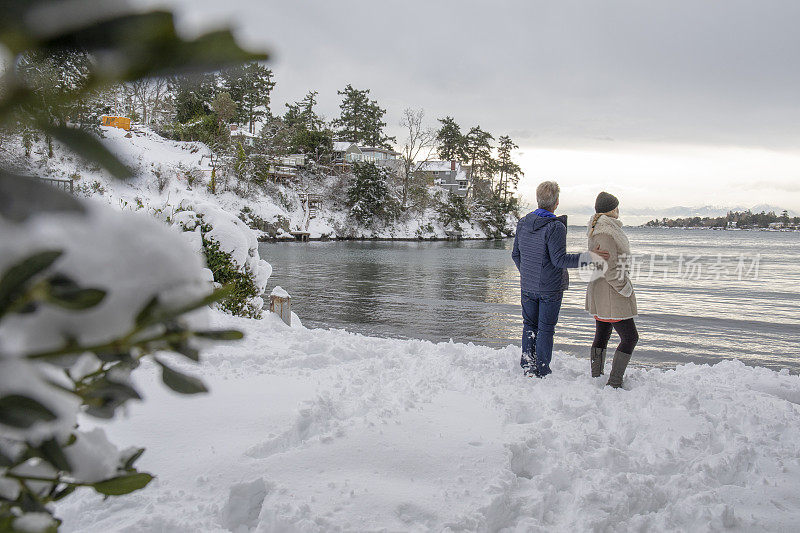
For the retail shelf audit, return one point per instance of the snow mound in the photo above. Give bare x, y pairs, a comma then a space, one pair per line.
279, 292
200, 220
355, 433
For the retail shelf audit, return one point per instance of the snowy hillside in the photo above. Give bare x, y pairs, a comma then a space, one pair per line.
164, 169
311, 430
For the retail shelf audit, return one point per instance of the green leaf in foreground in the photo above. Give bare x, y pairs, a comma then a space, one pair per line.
23, 412
179, 382
123, 484
14, 280
65, 293
52, 453
63, 493
220, 334
133, 458
155, 313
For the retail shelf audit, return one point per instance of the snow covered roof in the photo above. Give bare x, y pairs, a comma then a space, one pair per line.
343, 146
437, 166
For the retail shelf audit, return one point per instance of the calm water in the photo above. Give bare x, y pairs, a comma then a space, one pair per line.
737, 294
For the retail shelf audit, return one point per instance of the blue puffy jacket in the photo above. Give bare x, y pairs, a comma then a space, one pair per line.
540, 253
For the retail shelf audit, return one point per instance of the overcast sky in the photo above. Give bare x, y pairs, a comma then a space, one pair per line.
661, 102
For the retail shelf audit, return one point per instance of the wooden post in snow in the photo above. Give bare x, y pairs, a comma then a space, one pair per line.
280, 303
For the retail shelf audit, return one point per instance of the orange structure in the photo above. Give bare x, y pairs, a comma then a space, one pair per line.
123, 123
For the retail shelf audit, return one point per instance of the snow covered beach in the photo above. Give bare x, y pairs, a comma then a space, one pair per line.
317, 430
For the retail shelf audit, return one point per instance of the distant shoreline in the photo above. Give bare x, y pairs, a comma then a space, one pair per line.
771, 230
445, 239
383, 239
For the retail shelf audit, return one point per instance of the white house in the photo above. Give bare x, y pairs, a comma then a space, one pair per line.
381, 156
288, 167
243, 136
346, 153
450, 175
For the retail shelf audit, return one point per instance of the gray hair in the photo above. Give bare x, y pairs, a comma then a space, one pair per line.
547, 195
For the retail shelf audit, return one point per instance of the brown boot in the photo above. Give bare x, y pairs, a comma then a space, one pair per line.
618, 366
598, 358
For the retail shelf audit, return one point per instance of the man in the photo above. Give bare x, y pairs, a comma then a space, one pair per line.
540, 253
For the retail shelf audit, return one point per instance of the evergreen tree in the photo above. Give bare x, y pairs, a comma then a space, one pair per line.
368, 195
453, 210
510, 172
192, 96
224, 108
302, 113
250, 86
361, 119
58, 81
452, 144
307, 133
478, 151
275, 138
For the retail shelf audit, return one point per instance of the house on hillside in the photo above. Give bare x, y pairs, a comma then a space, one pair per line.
243, 136
383, 157
345, 154
288, 168
449, 175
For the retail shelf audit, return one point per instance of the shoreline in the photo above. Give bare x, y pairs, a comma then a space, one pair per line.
276, 240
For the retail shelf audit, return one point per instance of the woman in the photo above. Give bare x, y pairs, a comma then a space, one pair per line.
610, 297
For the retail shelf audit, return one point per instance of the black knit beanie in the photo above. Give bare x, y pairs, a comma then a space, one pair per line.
605, 202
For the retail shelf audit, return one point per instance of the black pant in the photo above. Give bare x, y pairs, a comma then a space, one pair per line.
626, 330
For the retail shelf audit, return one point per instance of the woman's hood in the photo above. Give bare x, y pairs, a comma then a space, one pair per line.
606, 225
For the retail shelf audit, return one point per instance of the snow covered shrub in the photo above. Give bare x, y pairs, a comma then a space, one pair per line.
240, 300
162, 178
86, 294
90, 189
230, 249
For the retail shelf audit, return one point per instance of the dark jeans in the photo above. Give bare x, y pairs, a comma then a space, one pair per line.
539, 318
626, 329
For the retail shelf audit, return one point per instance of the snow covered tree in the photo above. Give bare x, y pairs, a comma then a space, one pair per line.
224, 109
508, 170
478, 150
452, 145
192, 94
148, 98
361, 119
302, 113
307, 132
368, 195
275, 138
58, 82
250, 86
453, 210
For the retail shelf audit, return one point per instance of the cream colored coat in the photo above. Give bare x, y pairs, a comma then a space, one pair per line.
611, 295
